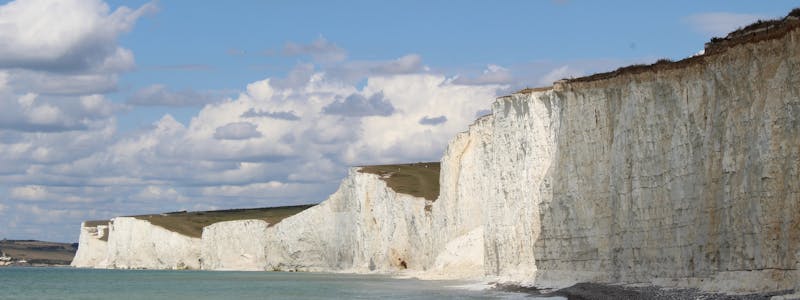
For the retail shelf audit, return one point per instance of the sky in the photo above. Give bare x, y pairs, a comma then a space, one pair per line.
131, 107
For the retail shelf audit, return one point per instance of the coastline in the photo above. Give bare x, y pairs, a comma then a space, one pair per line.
591, 291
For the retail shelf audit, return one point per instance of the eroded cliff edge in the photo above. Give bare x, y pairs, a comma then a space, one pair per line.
680, 174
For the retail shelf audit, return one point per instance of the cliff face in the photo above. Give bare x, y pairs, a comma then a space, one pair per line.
234, 245
680, 177
137, 244
363, 227
683, 174
93, 246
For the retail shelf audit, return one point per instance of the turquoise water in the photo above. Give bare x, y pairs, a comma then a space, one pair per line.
69, 283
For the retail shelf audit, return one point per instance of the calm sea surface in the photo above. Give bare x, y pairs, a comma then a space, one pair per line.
69, 283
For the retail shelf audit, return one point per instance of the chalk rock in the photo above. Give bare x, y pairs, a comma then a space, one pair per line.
92, 247
137, 244
235, 245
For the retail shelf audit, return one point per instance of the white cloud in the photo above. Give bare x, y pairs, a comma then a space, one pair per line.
160, 95
30, 192
34, 113
237, 131
153, 193
80, 83
352, 71
321, 50
356, 105
403, 65
432, 121
48, 214
241, 141
280, 141
721, 23
98, 105
67, 47
559, 73
493, 74
38, 34
281, 115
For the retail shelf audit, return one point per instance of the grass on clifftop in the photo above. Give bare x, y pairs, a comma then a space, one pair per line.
417, 179
192, 223
756, 32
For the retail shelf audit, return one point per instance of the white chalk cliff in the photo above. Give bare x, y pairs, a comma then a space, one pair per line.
685, 175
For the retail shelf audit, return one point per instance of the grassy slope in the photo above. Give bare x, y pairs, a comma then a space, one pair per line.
38, 252
417, 179
192, 223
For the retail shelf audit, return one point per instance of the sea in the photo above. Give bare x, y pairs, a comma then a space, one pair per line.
70, 283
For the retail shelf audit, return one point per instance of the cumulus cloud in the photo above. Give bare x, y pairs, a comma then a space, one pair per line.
482, 112
247, 140
71, 84
280, 115
432, 121
352, 71
237, 131
720, 23
160, 95
493, 74
33, 113
65, 48
279, 141
321, 50
30, 192
559, 73
153, 193
38, 35
403, 65
356, 105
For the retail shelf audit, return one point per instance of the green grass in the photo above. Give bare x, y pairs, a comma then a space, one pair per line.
192, 223
39, 252
417, 179
95, 223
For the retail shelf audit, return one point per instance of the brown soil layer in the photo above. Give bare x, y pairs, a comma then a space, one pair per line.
192, 223
417, 179
753, 33
96, 223
38, 252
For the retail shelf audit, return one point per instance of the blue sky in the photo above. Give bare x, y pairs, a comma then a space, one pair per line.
128, 107
222, 47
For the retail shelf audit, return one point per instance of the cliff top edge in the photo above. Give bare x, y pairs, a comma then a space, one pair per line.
191, 223
761, 30
415, 179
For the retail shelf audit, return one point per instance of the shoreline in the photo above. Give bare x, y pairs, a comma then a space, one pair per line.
592, 291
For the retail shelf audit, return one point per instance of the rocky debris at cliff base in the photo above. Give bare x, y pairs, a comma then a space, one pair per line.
595, 291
